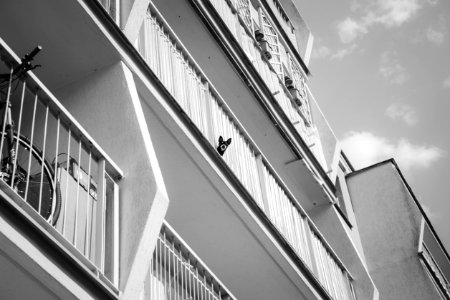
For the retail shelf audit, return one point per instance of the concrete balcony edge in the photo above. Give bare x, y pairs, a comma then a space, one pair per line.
45, 237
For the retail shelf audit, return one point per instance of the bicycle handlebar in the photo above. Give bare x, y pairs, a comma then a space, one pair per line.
25, 64
29, 57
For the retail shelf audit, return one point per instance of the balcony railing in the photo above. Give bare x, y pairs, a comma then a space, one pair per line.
435, 258
296, 102
177, 273
112, 7
188, 85
53, 167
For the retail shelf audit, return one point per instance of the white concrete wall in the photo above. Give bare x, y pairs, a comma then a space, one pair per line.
107, 105
389, 224
336, 232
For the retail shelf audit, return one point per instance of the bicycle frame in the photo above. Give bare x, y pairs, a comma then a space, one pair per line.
8, 124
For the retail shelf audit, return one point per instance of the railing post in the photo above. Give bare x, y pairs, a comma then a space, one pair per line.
311, 249
210, 124
115, 230
100, 217
262, 184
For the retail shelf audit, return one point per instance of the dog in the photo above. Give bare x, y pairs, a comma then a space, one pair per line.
223, 145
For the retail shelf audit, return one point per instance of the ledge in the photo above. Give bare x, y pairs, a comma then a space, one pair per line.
16, 211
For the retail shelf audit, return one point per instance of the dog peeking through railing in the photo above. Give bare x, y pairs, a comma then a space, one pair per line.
223, 145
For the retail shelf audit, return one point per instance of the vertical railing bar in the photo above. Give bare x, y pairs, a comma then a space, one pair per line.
43, 157
150, 276
175, 270
115, 232
183, 294
31, 143
66, 198
75, 230
56, 163
5, 114
88, 216
22, 98
100, 218
169, 265
195, 276
165, 261
174, 266
158, 259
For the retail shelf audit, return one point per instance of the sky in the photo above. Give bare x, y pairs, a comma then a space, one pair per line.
381, 74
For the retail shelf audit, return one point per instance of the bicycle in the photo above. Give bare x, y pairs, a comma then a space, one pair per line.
22, 164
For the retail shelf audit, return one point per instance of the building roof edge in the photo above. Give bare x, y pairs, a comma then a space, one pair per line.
410, 191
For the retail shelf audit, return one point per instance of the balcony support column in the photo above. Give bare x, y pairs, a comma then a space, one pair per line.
109, 97
132, 16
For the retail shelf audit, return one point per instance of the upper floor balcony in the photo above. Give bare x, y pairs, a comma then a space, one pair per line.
270, 96
176, 272
55, 178
239, 159
435, 258
282, 70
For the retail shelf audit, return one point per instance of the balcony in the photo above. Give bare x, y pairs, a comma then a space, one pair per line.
112, 7
282, 74
55, 174
176, 272
209, 114
435, 258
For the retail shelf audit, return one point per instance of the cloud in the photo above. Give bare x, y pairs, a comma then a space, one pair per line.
403, 112
321, 52
391, 13
446, 82
435, 36
340, 54
391, 69
365, 148
349, 30
387, 13
436, 32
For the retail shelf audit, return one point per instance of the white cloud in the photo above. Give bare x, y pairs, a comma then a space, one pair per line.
391, 69
436, 32
387, 13
349, 30
435, 36
391, 13
403, 112
446, 82
321, 52
340, 54
365, 148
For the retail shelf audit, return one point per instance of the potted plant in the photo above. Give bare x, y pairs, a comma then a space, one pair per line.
259, 36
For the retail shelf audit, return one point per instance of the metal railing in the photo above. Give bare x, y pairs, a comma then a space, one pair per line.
112, 7
176, 273
298, 104
434, 268
57, 168
238, 15
188, 85
435, 257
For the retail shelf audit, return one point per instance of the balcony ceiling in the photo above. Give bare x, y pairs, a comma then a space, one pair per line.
17, 283
73, 45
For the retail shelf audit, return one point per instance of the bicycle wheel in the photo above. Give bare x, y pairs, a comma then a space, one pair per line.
33, 178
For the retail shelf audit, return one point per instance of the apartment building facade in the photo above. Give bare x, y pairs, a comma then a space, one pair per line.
173, 150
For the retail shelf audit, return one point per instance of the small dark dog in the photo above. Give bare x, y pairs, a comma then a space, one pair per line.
223, 145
